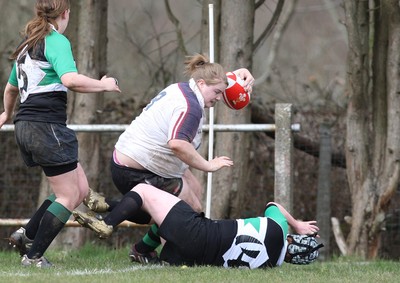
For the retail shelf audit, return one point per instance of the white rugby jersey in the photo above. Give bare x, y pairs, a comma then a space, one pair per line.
177, 112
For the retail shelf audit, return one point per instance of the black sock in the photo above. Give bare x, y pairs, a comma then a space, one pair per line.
141, 217
112, 203
48, 230
33, 225
150, 241
128, 207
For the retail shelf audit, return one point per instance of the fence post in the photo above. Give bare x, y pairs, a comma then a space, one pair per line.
283, 156
324, 188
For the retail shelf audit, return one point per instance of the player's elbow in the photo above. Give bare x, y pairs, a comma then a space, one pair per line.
70, 80
177, 145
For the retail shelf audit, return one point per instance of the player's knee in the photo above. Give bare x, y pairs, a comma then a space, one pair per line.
83, 192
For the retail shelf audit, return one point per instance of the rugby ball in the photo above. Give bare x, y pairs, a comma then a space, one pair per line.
234, 95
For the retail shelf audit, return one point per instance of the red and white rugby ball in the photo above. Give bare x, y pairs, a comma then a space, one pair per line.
234, 95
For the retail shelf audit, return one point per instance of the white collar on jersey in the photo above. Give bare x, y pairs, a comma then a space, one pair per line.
53, 27
196, 90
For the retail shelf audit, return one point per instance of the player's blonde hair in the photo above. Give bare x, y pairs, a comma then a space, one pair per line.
47, 11
199, 67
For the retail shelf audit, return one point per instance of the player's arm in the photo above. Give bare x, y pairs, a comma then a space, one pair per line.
188, 154
300, 227
10, 99
59, 53
81, 83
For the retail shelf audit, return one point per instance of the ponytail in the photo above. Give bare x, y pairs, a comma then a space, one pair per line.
47, 11
198, 67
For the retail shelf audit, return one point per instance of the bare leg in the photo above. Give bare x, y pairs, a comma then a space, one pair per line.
192, 191
70, 188
156, 202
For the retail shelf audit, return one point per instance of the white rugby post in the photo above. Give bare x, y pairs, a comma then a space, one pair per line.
211, 112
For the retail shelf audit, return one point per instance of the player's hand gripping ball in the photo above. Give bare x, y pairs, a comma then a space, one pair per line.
235, 96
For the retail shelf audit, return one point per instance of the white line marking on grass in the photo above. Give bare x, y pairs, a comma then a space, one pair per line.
105, 271
15, 274
80, 272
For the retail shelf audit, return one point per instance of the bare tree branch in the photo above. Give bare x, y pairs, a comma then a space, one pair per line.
277, 36
177, 24
259, 4
271, 24
330, 6
337, 232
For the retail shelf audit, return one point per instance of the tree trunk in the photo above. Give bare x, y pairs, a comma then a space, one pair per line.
372, 151
358, 117
90, 26
237, 24
91, 60
388, 177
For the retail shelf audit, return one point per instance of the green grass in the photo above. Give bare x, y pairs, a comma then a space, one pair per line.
101, 264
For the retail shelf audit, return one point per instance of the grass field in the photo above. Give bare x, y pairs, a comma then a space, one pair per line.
101, 264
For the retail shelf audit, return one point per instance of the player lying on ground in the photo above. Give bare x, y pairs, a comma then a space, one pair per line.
160, 146
190, 238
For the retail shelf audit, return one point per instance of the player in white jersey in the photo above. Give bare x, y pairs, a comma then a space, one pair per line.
175, 113
161, 144
43, 71
191, 239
